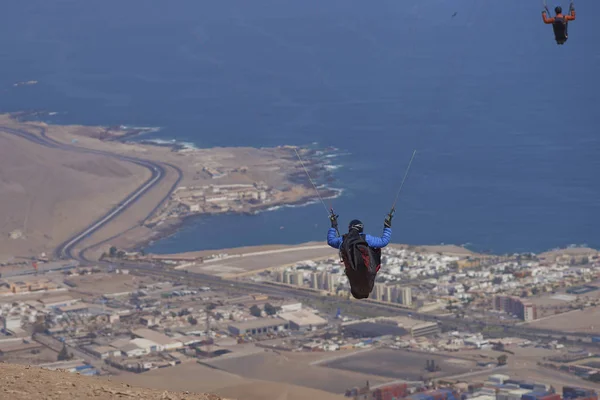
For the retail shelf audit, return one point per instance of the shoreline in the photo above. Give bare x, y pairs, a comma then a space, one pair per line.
141, 236
174, 226
285, 181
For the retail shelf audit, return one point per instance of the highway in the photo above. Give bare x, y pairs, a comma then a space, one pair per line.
157, 171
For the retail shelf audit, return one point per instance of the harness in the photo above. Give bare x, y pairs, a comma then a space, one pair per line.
560, 27
361, 263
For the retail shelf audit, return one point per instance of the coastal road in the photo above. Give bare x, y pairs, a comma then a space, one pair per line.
365, 305
157, 174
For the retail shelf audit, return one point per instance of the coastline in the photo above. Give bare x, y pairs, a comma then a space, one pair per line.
143, 235
285, 181
174, 226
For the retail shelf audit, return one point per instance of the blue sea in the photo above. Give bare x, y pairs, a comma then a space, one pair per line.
505, 122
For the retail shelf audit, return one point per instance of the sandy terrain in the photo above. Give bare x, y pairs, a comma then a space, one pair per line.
19, 382
585, 321
195, 377
266, 164
92, 181
234, 251
398, 364
286, 368
49, 194
99, 284
252, 263
79, 188
446, 249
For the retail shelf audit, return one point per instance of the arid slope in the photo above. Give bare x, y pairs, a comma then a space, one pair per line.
48, 195
18, 382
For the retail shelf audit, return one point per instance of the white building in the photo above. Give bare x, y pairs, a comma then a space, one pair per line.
303, 320
405, 296
10, 322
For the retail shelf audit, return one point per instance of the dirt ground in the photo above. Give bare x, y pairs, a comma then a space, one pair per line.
587, 321
20, 382
79, 188
285, 368
399, 364
195, 377
49, 194
98, 284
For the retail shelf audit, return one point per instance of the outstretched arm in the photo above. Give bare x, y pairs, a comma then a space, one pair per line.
547, 20
571, 17
333, 239
379, 242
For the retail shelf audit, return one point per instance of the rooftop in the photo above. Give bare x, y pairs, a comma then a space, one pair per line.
56, 299
156, 337
103, 349
303, 318
258, 323
74, 307
143, 343
374, 329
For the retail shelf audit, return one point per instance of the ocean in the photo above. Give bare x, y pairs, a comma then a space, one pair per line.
505, 122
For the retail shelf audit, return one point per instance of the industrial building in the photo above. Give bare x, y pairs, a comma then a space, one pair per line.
103, 352
373, 329
58, 301
258, 326
155, 341
303, 320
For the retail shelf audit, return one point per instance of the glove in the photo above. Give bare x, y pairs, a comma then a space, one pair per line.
388, 221
333, 218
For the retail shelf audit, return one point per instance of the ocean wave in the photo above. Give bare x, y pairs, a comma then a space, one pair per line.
331, 167
172, 142
341, 154
146, 129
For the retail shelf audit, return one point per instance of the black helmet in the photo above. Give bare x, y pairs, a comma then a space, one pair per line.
356, 224
558, 9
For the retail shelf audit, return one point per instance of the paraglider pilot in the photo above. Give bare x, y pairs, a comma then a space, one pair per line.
560, 22
360, 252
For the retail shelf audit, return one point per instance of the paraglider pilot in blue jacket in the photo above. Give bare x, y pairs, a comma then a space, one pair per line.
360, 253
375, 242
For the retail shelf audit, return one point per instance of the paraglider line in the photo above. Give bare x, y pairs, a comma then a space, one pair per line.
403, 180
311, 181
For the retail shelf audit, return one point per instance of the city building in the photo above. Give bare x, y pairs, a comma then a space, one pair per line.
297, 278
516, 306
314, 280
425, 329
258, 326
405, 296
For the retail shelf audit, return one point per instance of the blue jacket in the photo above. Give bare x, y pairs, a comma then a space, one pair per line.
376, 242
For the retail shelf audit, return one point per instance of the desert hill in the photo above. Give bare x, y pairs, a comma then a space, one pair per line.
20, 382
